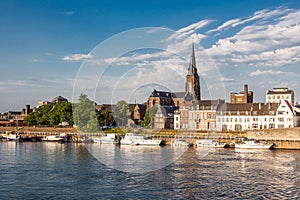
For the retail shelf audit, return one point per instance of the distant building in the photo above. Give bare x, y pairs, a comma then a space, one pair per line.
164, 117
137, 113
242, 97
58, 99
278, 94
41, 103
191, 93
200, 115
256, 116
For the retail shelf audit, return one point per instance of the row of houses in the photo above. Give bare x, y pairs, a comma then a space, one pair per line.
277, 112
186, 110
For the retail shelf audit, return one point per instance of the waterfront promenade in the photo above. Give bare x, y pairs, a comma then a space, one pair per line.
282, 138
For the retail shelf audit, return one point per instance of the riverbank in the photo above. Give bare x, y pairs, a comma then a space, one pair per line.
40, 129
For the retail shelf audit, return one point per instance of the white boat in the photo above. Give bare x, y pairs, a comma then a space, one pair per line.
180, 142
133, 139
54, 138
253, 144
107, 139
148, 142
12, 137
210, 143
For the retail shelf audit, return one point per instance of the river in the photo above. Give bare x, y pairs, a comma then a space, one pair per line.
45, 170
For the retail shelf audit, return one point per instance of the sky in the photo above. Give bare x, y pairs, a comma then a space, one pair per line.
122, 50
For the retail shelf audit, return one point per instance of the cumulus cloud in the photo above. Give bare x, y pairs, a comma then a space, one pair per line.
268, 38
77, 57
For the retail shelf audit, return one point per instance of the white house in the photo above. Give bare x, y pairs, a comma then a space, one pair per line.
250, 116
278, 94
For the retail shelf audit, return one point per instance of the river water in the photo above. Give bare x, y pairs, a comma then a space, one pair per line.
45, 170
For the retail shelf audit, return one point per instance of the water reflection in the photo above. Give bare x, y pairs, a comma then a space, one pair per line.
135, 158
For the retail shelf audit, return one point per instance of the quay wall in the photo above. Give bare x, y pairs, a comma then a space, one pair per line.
288, 138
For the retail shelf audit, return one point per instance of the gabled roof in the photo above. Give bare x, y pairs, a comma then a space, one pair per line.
161, 94
259, 108
164, 94
166, 110
59, 99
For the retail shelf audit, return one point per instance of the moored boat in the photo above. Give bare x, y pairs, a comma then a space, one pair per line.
181, 142
54, 138
108, 139
210, 143
133, 139
253, 144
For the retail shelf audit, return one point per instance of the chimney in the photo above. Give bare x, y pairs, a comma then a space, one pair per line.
245, 89
27, 109
259, 106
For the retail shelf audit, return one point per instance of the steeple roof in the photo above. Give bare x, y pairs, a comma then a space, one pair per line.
192, 65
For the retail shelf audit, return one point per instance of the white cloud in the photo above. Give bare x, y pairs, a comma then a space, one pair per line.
271, 39
77, 57
267, 72
190, 31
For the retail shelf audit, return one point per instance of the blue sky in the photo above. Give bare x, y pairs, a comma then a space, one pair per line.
43, 45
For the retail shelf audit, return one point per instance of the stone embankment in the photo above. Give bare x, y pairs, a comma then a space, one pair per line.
282, 138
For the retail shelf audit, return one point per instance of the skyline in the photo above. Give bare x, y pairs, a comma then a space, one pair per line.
43, 45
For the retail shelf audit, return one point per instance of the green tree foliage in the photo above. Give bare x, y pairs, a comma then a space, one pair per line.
148, 120
51, 114
105, 118
121, 113
85, 115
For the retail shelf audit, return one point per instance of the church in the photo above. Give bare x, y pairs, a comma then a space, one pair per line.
169, 103
175, 99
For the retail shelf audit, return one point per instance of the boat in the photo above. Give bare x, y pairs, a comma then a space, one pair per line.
253, 144
30, 138
129, 139
107, 139
133, 139
54, 138
210, 143
148, 142
181, 142
12, 137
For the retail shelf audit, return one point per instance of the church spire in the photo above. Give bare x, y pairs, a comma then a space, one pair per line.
192, 84
192, 65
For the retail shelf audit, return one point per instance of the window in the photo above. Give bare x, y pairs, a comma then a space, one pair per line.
254, 126
271, 125
280, 112
281, 119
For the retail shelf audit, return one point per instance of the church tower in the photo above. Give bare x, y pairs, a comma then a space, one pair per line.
192, 83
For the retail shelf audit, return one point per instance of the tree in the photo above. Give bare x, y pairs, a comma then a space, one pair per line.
51, 114
104, 117
148, 120
121, 113
84, 114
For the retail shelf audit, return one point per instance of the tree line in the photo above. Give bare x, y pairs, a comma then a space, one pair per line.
84, 115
